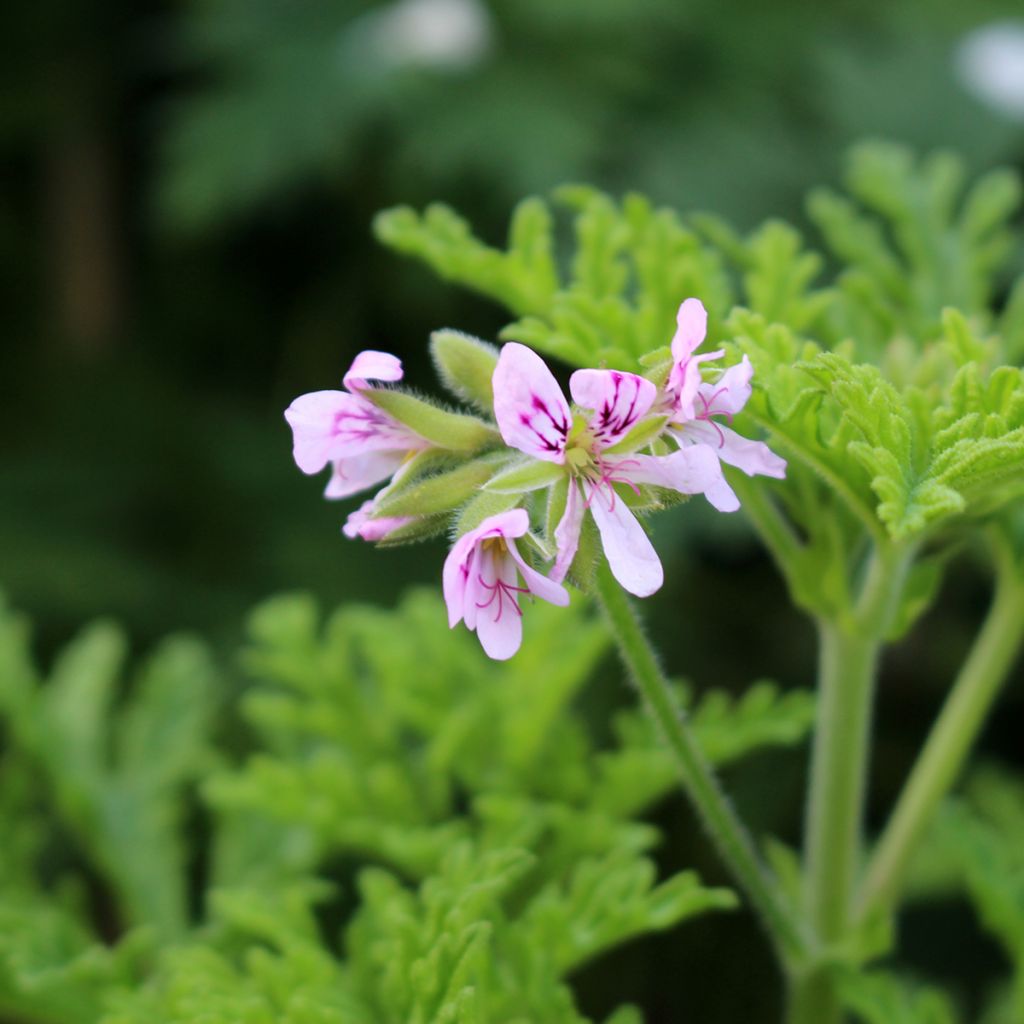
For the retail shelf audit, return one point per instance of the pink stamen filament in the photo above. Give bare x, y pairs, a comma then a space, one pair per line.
608, 477
710, 411
500, 589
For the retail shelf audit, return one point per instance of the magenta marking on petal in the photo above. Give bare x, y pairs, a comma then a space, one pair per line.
609, 424
560, 426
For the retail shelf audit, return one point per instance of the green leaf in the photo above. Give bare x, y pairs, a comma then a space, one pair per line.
523, 279
922, 586
642, 771
878, 997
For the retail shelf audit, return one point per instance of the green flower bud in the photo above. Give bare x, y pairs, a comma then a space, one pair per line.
465, 365
437, 493
454, 431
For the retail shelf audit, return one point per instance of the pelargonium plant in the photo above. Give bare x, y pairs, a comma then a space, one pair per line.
409, 829
871, 426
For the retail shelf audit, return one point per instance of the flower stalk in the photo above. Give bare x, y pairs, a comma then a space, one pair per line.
720, 819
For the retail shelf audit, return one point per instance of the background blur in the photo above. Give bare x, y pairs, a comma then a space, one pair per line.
185, 246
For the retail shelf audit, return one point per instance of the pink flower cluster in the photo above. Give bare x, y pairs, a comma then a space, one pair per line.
485, 576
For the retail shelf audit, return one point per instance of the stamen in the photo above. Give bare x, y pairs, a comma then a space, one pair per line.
709, 409
500, 589
608, 476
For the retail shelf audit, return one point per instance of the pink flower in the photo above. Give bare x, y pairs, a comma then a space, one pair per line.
481, 583
534, 417
694, 403
363, 443
362, 523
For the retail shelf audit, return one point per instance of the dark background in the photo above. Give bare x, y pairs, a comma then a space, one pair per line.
185, 246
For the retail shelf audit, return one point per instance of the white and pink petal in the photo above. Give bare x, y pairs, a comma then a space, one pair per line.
499, 622
529, 407
372, 366
755, 458
567, 532
354, 473
729, 394
691, 329
312, 418
362, 523
694, 469
537, 583
618, 401
630, 553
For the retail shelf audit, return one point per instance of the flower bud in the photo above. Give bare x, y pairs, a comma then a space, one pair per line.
465, 365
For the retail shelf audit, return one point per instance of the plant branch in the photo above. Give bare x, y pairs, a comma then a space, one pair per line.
848, 659
950, 740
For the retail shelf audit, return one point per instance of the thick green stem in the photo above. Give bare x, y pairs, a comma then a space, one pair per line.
846, 689
848, 661
950, 740
720, 819
846, 677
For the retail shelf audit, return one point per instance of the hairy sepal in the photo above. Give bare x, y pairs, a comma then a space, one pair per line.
421, 528
455, 431
478, 509
465, 365
525, 476
438, 493
640, 436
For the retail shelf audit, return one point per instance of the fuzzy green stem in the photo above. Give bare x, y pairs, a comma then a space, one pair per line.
963, 714
719, 818
848, 659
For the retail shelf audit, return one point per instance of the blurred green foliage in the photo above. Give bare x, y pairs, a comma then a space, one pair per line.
490, 842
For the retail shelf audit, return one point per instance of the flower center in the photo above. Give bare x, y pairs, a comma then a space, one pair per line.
580, 459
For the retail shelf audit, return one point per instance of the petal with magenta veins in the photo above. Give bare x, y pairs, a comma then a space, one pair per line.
694, 469
455, 577
329, 425
312, 418
631, 556
499, 622
529, 407
361, 427
372, 365
755, 458
619, 401
354, 473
